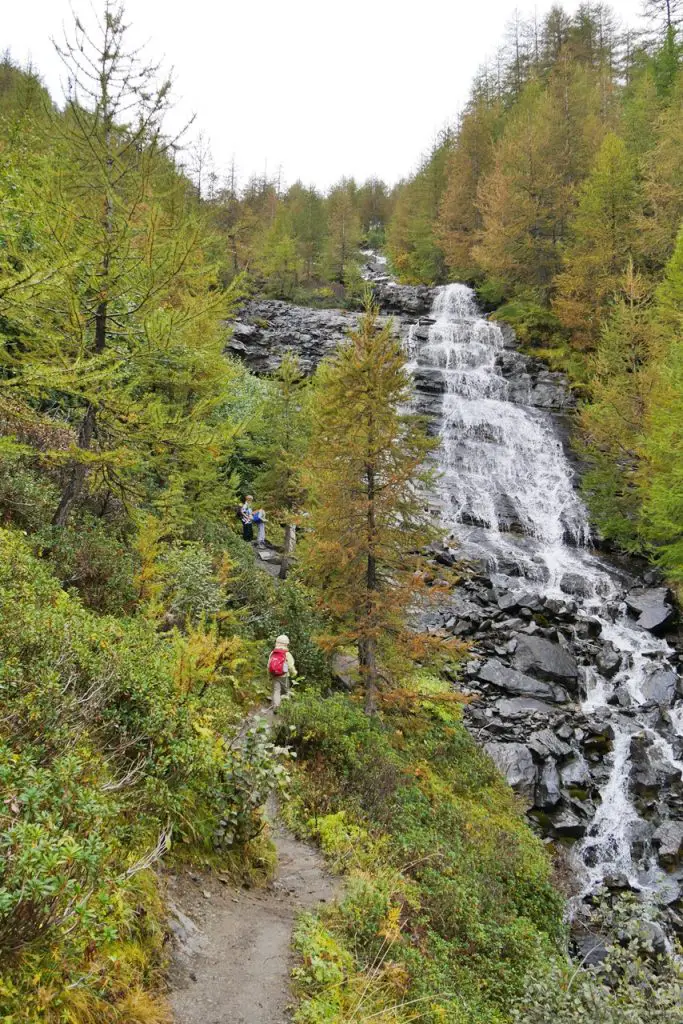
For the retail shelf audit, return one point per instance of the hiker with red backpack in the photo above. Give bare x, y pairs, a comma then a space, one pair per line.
281, 669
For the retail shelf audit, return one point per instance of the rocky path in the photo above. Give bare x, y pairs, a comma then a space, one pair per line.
232, 957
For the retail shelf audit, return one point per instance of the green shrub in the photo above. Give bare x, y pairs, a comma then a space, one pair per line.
102, 762
423, 822
633, 985
91, 556
27, 499
533, 323
193, 590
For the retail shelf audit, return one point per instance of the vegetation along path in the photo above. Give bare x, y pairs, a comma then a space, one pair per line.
232, 959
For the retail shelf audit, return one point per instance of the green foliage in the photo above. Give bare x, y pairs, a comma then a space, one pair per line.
193, 590
411, 234
449, 901
102, 761
633, 985
365, 469
533, 323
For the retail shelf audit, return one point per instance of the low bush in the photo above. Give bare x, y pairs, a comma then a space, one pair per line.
450, 905
104, 762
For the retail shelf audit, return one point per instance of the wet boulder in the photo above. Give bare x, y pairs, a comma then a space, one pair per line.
505, 678
567, 825
660, 687
518, 707
514, 761
575, 583
546, 744
548, 790
545, 659
668, 841
429, 379
608, 661
653, 608
651, 771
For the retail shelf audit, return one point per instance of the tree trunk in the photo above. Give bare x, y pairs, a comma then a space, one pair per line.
367, 660
77, 471
367, 647
290, 545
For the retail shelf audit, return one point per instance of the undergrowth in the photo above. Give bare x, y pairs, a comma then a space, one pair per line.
114, 751
449, 904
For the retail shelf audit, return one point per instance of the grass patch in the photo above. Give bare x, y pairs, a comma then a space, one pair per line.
449, 904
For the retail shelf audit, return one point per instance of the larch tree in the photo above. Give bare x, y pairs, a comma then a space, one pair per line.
612, 422
601, 238
122, 337
412, 239
524, 199
344, 232
366, 477
661, 471
459, 222
282, 442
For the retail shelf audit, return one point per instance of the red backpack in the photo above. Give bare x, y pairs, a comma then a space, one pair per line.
277, 662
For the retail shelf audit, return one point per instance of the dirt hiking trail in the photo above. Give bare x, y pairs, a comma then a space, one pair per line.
232, 956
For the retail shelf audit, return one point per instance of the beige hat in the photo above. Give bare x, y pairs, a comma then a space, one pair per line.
282, 640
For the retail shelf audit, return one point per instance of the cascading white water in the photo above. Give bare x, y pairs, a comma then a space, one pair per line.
508, 494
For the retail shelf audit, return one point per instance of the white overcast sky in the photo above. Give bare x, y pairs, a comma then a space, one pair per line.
320, 89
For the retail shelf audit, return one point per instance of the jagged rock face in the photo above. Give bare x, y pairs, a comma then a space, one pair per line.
267, 328
411, 300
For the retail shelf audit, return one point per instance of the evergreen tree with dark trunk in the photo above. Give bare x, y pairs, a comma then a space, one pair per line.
367, 480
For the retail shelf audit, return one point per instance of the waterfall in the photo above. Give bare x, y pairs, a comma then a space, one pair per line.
508, 499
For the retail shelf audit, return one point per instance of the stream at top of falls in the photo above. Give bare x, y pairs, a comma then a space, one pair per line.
501, 461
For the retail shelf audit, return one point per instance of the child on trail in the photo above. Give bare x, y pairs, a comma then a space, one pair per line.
247, 517
260, 520
281, 668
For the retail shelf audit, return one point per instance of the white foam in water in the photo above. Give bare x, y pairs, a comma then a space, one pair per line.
503, 464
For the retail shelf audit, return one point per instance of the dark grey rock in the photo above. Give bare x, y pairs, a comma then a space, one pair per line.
608, 661
545, 743
548, 790
509, 679
653, 608
573, 583
668, 839
575, 773
591, 950
515, 762
660, 687
545, 659
516, 707
567, 824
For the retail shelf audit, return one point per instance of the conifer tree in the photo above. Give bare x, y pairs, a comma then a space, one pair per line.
344, 231
663, 182
412, 239
612, 423
308, 225
459, 221
524, 200
661, 472
602, 235
121, 334
282, 440
365, 476
278, 260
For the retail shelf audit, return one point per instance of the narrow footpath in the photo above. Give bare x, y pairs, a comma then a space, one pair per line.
232, 957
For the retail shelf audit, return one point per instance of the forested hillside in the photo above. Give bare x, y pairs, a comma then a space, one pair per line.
559, 194
137, 618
